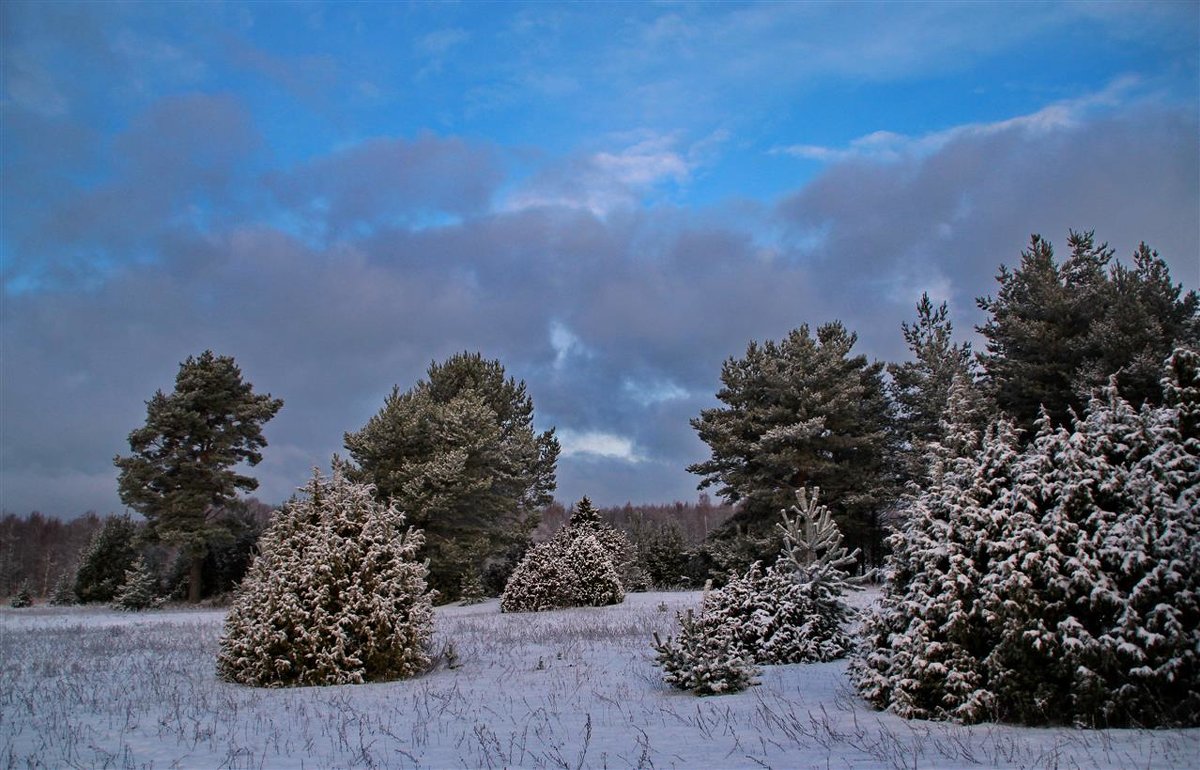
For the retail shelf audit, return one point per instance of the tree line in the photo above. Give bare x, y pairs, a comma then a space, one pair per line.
457, 451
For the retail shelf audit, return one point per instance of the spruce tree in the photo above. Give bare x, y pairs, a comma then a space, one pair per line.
183, 465
801, 412
103, 564
458, 453
138, 591
336, 595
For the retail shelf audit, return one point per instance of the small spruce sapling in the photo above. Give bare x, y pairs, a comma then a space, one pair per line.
137, 592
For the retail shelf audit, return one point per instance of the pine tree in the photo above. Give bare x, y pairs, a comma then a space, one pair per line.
801, 412
705, 658
336, 595
920, 388
459, 455
63, 592
138, 591
184, 459
1057, 332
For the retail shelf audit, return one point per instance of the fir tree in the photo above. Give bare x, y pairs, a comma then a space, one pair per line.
184, 460
336, 595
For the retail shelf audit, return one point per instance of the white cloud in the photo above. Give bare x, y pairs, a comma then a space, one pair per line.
565, 343
649, 392
891, 146
597, 444
605, 181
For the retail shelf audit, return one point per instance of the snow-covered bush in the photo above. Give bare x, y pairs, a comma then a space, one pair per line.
336, 595
138, 591
791, 612
542, 581
575, 568
1056, 584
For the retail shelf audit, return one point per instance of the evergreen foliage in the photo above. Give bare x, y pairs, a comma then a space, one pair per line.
920, 388
1059, 583
791, 612
102, 568
459, 454
706, 658
801, 412
22, 598
183, 463
663, 555
1056, 332
336, 595
139, 589
63, 592
578, 567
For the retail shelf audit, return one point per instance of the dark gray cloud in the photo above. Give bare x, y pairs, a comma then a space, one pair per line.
618, 323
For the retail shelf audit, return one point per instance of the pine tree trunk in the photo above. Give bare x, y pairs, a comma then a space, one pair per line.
194, 577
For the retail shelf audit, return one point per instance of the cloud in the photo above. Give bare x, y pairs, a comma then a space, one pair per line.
890, 146
606, 181
950, 216
597, 444
389, 181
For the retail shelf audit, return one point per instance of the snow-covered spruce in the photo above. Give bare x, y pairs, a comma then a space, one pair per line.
791, 612
1057, 584
578, 567
336, 595
138, 591
705, 658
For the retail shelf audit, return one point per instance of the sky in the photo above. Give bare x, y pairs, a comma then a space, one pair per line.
611, 199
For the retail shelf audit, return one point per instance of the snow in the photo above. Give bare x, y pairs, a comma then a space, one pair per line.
568, 688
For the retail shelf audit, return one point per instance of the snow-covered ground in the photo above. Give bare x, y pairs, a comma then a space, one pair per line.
572, 689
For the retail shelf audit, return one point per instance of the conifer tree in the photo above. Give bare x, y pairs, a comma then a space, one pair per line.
578, 567
336, 595
183, 463
920, 388
801, 412
791, 612
137, 592
458, 453
1064, 588
1057, 332
103, 564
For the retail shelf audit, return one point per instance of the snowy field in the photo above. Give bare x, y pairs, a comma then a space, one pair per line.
571, 689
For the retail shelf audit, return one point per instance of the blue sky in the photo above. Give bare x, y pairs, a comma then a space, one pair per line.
610, 198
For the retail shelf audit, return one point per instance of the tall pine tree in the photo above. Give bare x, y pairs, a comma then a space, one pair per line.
183, 465
801, 412
459, 455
